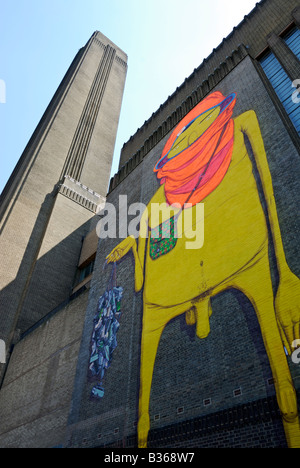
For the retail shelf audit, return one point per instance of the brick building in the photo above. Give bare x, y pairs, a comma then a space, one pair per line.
205, 369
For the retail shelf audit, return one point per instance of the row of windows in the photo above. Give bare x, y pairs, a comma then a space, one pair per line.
281, 82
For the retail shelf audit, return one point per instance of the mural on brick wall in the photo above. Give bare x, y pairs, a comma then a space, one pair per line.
104, 336
206, 162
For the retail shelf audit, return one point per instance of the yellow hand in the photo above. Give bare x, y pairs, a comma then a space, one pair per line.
287, 306
121, 250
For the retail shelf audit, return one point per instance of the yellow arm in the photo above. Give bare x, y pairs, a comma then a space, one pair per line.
287, 303
249, 125
138, 251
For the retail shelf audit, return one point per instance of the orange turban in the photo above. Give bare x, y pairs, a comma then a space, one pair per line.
195, 172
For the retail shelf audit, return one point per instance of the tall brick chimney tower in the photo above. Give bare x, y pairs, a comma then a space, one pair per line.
56, 188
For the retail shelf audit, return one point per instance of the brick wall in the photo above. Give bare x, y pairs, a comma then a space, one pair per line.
188, 370
38, 386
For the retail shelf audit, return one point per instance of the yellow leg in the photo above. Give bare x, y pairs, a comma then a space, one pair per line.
203, 313
151, 334
199, 314
256, 284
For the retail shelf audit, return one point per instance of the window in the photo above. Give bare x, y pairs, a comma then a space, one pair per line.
237, 392
283, 86
292, 40
86, 271
207, 402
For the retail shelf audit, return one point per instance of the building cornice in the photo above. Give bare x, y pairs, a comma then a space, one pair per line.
82, 195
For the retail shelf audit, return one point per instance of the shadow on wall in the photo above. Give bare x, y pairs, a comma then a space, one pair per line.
40, 286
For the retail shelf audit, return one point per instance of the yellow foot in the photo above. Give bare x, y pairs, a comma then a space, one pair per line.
292, 433
287, 401
143, 430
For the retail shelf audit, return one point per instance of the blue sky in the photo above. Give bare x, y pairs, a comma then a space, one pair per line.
164, 40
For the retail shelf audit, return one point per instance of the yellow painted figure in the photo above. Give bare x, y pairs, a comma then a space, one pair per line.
234, 253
